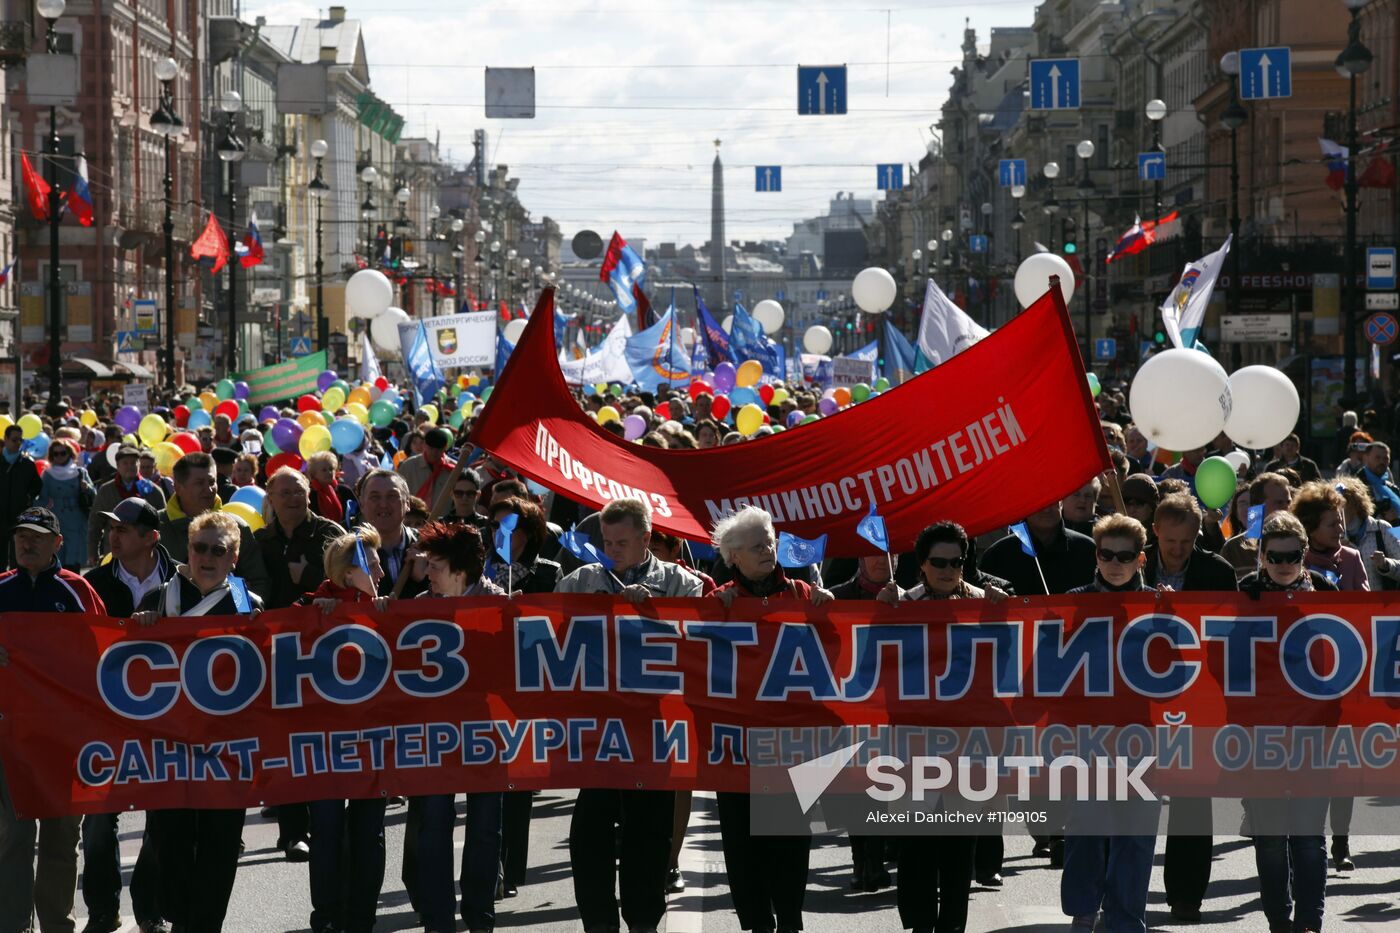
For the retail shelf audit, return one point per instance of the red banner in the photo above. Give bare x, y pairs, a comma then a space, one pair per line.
985, 439
582, 691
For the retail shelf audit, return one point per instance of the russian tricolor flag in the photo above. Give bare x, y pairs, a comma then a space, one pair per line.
1336, 158
5, 273
79, 196
251, 249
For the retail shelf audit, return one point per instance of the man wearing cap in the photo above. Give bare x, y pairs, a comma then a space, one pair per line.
138, 565
195, 494
224, 459
19, 484
39, 584
127, 484
427, 473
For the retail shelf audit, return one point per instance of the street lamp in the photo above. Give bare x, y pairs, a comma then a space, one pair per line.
369, 175
1156, 111
51, 10
231, 151
1051, 206
479, 260
1232, 118
947, 237
1085, 151
1018, 219
459, 253
495, 270
1355, 59
318, 189
167, 124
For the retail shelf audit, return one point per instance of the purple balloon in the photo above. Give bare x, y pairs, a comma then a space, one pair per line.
633, 427
285, 434
827, 406
323, 381
241, 390
128, 418
269, 413
725, 375
794, 418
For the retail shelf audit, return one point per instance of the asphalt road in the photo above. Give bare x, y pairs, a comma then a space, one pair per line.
272, 894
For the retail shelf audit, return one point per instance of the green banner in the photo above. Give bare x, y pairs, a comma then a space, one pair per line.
285, 380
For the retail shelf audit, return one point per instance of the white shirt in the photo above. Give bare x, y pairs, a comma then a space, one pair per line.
139, 588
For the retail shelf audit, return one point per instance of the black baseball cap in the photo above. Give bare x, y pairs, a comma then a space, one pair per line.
38, 519
135, 512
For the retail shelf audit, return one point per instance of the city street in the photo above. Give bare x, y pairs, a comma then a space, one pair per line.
272, 895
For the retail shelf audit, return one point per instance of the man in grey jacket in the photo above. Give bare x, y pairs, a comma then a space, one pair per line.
646, 815
127, 484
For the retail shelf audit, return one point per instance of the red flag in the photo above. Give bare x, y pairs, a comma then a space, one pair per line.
505, 312
360, 262
211, 249
35, 188
1380, 173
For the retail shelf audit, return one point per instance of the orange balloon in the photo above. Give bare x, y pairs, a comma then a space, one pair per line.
308, 418
842, 396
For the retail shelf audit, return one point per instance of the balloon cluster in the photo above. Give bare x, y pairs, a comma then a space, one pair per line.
369, 295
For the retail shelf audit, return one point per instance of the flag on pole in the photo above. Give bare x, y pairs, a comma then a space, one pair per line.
1336, 158
655, 356
1143, 233
251, 254
749, 342
872, 529
503, 350
211, 249
945, 330
1254, 530
5, 273
799, 552
626, 274
35, 188
712, 336
369, 363
422, 368
1184, 311
79, 197
1379, 173
505, 528
899, 355
577, 544
1023, 534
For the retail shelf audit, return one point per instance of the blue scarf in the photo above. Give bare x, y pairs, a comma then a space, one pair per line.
1380, 489
11, 458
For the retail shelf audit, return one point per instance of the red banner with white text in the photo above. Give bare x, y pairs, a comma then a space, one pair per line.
984, 439
438, 696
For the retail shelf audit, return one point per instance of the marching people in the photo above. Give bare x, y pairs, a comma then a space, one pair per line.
65, 490
1063, 558
329, 498
1372, 538
427, 473
1288, 455
1272, 491
126, 483
384, 498
194, 496
19, 485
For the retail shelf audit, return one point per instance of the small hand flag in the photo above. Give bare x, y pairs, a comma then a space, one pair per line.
1255, 529
239, 591
505, 527
1023, 534
361, 559
799, 552
576, 543
1331, 576
872, 529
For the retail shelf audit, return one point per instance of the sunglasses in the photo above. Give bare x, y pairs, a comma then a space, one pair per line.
943, 563
218, 550
1122, 557
1284, 557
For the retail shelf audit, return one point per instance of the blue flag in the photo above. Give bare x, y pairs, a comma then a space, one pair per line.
899, 356
422, 368
1023, 534
361, 559
656, 355
712, 336
1255, 529
870, 352
749, 342
872, 529
1331, 576
505, 527
239, 591
623, 270
504, 348
800, 552
385, 463
561, 321
576, 543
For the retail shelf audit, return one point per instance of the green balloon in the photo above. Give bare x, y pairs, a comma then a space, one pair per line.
456, 419
381, 413
882, 384
1215, 482
1094, 387
860, 392
340, 384
224, 389
193, 403
269, 444
486, 393
809, 419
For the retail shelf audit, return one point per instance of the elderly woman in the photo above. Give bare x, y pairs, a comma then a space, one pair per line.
1290, 849
767, 874
329, 497
1320, 508
198, 849
527, 572
66, 491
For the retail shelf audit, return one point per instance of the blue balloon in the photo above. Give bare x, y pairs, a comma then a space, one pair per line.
198, 419
741, 396
38, 445
251, 496
346, 435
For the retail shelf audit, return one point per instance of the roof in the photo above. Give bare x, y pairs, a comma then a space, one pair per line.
304, 41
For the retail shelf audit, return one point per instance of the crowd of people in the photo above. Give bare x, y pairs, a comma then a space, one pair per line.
93, 526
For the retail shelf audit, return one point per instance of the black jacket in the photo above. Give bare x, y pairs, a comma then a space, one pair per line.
1205, 572
19, 484
1068, 561
1100, 585
191, 597
115, 594
411, 587
308, 541
1258, 583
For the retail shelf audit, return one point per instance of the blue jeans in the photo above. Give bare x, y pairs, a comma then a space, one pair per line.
345, 895
481, 861
1292, 868
1109, 872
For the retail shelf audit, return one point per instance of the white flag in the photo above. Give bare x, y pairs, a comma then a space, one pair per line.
1184, 311
945, 330
369, 364
607, 364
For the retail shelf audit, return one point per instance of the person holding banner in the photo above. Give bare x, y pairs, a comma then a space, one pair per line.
1058, 559
383, 497
198, 849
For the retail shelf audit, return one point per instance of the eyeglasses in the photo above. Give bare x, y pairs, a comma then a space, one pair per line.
943, 563
1284, 557
466, 493
200, 547
1122, 557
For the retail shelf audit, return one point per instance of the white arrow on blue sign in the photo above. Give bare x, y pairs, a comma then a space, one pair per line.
1105, 348
1011, 172
1054, 84
977, 243
1266, 73
889, 176
1152, 166
768, 178
821, 90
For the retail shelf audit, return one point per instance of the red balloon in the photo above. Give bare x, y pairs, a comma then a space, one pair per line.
381, 383
719, 408
284, 460
765, 392
41, 465
699, 386
182, 416
186, 442
308, 402
663, 410
228, 408
767, 419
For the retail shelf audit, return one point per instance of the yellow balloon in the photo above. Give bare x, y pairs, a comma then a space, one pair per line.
166, 454
208, 400
601, 388
466, 408
357, 410
749, 419
31, 425
310, 419
314, 440
431, 412
780, 396
608, 413
358, 396
5, 422
750, 371
473, 380
129, 440
152, 430
246, 512
88, 418
333, 399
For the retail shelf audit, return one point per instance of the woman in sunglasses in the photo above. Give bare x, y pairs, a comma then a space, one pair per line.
942, 550
198, 849
1282, 547
1120, 543
67, 491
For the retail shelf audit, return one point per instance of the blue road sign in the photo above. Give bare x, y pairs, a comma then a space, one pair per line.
1380, 267
780, 295
1152, 166
124, 341
1381, 329
1011, 172
977, 243
889, 176
1266, 73
1105, 348
821, 90
768, 178
821, 294
1055, 84
300, 346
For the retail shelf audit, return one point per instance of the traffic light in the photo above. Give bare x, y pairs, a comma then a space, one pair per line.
1067, 236
1159, 337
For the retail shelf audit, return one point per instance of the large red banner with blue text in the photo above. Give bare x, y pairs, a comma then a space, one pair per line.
438, 696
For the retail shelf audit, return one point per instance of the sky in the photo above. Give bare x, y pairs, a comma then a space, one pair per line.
631, 95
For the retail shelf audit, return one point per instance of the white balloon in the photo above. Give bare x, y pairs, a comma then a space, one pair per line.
728, 325
1033, 278
687, 337
368, 293
873, 290
384, 329
817, 340
770, 314
1180, 399
1238, 459
1265, 408
513, 330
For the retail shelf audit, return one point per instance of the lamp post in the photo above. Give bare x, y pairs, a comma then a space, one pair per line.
1018, 219
231, 150
1232, 118
479, 265
495, 270
318, 189
1085, 151
1156, 111
167, 124
1051, 206
51, 10
459, 253
1355, 59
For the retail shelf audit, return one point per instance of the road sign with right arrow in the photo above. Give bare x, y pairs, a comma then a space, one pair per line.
821, 90
1054, 84
768, 178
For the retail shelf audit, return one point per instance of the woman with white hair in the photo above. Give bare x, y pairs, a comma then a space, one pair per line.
767, 874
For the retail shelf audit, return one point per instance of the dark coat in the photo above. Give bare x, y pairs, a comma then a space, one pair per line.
19, 484
309, 540
1067, 561
411, 588
115, 594
1257, 583
1205, 572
